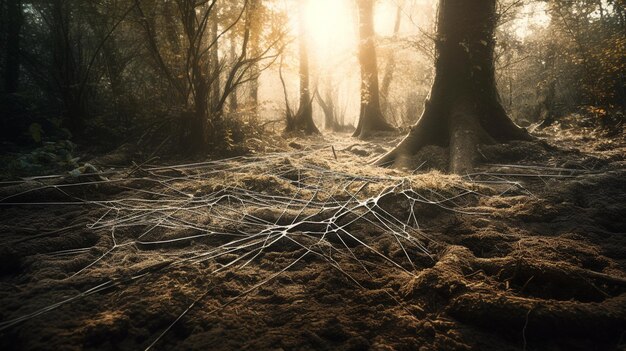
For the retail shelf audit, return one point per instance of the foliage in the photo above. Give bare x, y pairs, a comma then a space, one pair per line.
114, 69
49, 158
571, 64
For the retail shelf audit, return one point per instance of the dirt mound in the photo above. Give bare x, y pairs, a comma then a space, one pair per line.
315, 249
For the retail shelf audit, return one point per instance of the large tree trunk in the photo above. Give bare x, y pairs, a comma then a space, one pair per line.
303, 119
371, 117
463, 109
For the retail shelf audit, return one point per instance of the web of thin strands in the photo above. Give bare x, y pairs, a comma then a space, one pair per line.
240, 208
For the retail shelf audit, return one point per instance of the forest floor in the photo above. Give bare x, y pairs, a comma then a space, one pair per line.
303, 245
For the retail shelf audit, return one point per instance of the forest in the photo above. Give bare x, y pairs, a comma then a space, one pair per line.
312, 175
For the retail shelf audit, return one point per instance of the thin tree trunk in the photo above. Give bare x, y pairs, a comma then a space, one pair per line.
546, 93
255, 37
215, 65
170, 28
66, 67
390, 67
328, 107
199, 126
544, 111
303, 119
12, 53
371, 117
233, 103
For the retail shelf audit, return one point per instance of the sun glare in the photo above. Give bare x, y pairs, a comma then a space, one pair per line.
329, 22
533, 16
330, 27
332, 39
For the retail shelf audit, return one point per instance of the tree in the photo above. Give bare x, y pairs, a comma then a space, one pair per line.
568, 60
71, 51
371, 117
328, 100
201, 80
69, 62
256, 22
463, 109
214, 63
303, 119
328, 108
234, 101
544, 111
12, 53
390, 66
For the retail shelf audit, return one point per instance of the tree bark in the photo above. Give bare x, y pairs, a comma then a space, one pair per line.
233, 102
303, 119
255, 37
371, 117
544, 111
66, 66
12, 53
215, 64
390, 67
197, 124
463, 109
328, 107
201, 90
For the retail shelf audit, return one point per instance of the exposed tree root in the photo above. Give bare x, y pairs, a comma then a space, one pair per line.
371, 118
464, 108
371, 122
247, 250
552, 281
301, 122
510, 294
544, 318
463, 133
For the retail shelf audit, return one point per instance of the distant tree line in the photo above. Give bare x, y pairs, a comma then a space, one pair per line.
187, 72
115, 68
576, 63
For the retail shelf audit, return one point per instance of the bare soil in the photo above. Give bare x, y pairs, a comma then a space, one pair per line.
313, 249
